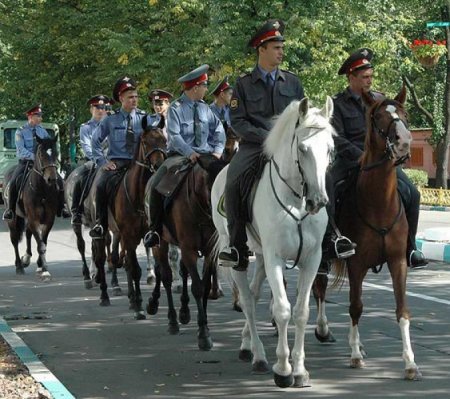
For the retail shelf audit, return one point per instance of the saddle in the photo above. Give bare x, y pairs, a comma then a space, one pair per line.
175, 175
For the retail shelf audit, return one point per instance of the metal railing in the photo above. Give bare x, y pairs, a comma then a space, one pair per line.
434, 196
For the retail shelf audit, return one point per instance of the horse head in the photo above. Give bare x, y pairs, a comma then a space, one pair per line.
388, 132
231, 144
152, 148
46, 156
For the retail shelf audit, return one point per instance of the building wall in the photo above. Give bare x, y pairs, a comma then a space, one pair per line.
422, 153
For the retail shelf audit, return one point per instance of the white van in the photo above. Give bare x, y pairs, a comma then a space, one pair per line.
8, 144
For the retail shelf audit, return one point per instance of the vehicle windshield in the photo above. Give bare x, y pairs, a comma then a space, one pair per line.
9, 142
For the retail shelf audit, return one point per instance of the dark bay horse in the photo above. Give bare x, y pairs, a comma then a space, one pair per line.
39, 206
188, 224
89, 272
372, 216
127, 217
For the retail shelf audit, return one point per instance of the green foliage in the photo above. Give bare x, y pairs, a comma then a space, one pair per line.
61, 52
418, 177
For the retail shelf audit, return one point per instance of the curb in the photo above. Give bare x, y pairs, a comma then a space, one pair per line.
434, 250
434, 208
36, 368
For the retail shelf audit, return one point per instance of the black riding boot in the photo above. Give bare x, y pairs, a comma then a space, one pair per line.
336, 246
12, 199
153, 236
101, 209
415, 257
236, 255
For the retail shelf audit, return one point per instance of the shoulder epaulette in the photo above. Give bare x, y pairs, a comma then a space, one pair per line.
117, 111
140, 112
289, 72
338, 95
177, 102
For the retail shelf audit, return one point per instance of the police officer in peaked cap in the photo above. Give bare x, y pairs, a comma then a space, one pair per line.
221, 105
122, 129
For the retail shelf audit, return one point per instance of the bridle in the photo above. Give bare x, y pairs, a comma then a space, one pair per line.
42, 168
147, 154
386, 134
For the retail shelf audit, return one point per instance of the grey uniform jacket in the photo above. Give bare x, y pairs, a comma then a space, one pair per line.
253, 107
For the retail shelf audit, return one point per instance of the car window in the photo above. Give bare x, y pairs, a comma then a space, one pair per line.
9, 141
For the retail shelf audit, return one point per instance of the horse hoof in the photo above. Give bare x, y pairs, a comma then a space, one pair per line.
260, 367
413, 374
205, 343
356, 363
237, 308
185, 316
117, 291
88, 284
178, 289
213, 295
105, 302
25, 261
20, 270
152, 307
173, 329
139, 316
46, 276
245, 355
150, 280
283, 381
38, 270
302, 381
324, 338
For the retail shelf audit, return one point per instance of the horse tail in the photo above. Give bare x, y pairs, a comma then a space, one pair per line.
212, 251
20, 227
340, 273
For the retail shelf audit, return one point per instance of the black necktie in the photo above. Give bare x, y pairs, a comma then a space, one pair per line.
129, 136
269, 80
197, 127
34, 140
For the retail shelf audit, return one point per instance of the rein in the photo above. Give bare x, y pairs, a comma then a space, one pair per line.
42, 169
285, 208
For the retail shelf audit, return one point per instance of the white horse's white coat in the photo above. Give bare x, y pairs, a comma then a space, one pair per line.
300, 144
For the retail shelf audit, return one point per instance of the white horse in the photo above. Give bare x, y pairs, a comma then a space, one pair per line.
289, 221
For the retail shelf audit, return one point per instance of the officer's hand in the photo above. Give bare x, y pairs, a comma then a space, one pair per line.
217, 155
194, 157
110, 166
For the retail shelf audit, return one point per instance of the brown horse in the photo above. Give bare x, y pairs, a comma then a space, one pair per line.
188, 224
127, 217
379, 227
40, 203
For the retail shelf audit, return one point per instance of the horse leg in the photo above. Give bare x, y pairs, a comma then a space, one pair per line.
161, 256
16, 227
99, 258
356, 277
153, 301
26, 259
135, 273
81, 245
282, 313
151, 276
114, 262
189, 258
307, 272
398, 274
251, 345
322, 331
185, 313
173, 261
216, 290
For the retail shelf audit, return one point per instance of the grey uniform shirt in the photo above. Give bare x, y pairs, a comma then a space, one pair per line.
254, 103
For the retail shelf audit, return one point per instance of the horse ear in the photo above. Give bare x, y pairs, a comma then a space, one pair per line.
303, 107
367, 99
327, 110
401, 96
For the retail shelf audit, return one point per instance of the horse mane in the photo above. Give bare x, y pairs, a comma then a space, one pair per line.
284, 128
369, 130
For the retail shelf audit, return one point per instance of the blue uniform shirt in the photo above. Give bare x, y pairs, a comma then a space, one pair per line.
153, 120
86, 130
114, 127
222, 113
25, 141
180, 127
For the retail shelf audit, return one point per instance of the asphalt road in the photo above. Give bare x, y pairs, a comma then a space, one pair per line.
99, 352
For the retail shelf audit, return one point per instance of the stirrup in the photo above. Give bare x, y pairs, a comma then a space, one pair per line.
148, 236
227, 255
93, 232
345, 254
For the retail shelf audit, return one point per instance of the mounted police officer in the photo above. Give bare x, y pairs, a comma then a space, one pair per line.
221, 105
98, 107
349, 120
25, 146
257, 97
160, 100
194, 132
122, 129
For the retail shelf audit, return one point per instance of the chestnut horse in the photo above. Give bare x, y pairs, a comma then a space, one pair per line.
126, 218
188, 224
373, 217
40, 203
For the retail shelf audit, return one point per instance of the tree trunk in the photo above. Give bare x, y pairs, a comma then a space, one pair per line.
442, 148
